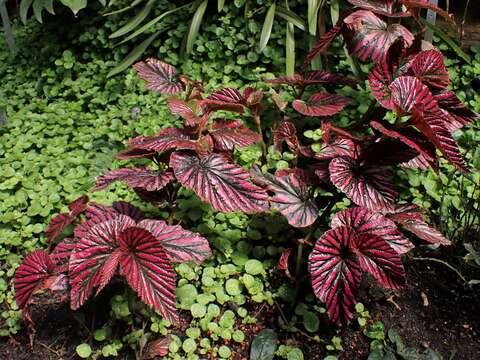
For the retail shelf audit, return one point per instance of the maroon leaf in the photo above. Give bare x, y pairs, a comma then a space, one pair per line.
134, 153
418, 162
180, 245
78, 206
160, 76
294, 80
372, 36
434, 128
381, 7
460, 115
429, 68
61, 254
338, 147
181, 108
366, 185
411, 218
128, 209
377, 258
283, 261
57, 225
321, 170
379, 80
370, 223
227, 95
148, 271
408, 94
293, 198
335, 273
325, 77
227, 134
90, 264
321, 104
225, 186
322, 44
211, 105
286, 132
156, 348
139, 177
31, 276
167, 139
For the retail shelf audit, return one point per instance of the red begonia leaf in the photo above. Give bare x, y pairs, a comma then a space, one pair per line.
138, 177
322, 44
167, 139
227, 134
429, 68
321, 104
409, 94
160, 76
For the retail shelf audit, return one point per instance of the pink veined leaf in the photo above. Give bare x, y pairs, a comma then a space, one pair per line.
57, 225
380, 78
371, 223
286, 132
377, 258
434, 128
167, 139
366, 185
148, 270
429, 68
61, 254
78, 206
322, 171
293, 198
138, 177
227, 134
411, 218
449, 102
409, 94
418, 162
381, 7
180, 245
321, 104
128, 209
283, 261
373, 37
322, 44
134, 153
156, 348
408, 140
227, 95
160, 76
338, 147
210, 105
326, 77
335, 273
294, 80
90, 265
183, 109
31, 276
225, 186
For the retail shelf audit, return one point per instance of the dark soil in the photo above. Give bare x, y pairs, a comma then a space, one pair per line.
435, 311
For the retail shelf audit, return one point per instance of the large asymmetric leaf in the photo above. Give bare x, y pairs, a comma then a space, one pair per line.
139, 177
225, 186
167, 139
335, 272
57, 224
230, 133
409, 94
429, 68
160, 76
460, 115
380, 78
377, 258
179, 244
371, 223
227, 95
286, 132
321, 104
125, 208
366, 185
92, 259
148, 270
293, 198
373, 37
337, 147
31, 275
411, 218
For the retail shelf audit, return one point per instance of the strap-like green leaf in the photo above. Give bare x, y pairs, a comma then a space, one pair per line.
133, 55
24, 6
126, 8
7, 28
290, 50
220, 5
75, 5
48, 5
450, 42
267, 27
135, 21
38, 9
313, 7
334, 10
152, 22
195, 26
291, 17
